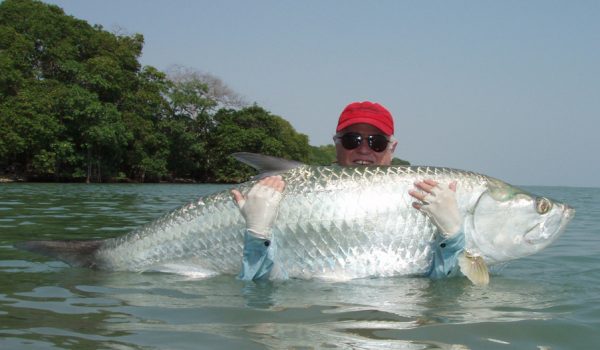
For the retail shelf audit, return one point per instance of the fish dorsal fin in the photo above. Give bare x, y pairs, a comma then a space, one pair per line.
474, 268
266, 165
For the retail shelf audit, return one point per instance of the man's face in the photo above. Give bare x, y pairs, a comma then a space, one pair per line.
363, 155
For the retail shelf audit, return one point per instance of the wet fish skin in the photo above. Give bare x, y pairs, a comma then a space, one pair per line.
334, 223
337, 223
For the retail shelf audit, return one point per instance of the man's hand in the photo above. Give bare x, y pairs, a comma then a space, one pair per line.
260, 206
439, 203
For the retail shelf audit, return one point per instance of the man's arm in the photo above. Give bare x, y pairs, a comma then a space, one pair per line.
259, 209
438, 202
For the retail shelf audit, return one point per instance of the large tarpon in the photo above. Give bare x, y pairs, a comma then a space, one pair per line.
333, 223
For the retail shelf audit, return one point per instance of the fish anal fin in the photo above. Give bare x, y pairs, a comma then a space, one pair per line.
474, 267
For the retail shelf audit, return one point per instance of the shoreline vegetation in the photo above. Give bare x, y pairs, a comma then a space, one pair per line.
76, 105
7, 178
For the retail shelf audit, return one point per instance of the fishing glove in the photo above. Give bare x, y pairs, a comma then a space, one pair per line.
259, 208
441, 207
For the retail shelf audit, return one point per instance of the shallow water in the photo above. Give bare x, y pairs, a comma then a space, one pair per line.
547, 301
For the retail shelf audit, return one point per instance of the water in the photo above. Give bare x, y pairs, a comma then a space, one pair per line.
547, 301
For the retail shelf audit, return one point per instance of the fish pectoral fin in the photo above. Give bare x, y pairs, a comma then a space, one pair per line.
474, 268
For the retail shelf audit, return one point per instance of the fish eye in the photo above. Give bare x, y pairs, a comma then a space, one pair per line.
542, 205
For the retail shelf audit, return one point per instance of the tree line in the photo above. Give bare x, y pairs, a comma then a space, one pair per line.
76, 105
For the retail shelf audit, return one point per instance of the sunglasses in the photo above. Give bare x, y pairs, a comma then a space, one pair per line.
352, 140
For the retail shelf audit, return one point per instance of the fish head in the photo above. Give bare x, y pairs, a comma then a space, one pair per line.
508, 223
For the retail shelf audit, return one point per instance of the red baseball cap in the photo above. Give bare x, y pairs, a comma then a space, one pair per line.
367, 113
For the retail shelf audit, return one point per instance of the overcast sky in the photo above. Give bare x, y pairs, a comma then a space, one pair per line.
510, 89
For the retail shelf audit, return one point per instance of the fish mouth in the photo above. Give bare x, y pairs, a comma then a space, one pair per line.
569, 214
539, 232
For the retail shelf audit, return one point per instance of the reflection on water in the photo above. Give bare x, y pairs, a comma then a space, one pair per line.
92, 307
541, 301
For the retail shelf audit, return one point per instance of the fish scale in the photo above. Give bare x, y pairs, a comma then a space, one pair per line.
314, 222
337, 223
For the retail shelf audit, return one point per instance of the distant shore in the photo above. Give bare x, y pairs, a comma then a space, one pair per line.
5, 179
18, 179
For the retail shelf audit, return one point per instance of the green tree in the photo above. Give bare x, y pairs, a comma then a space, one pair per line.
398, 161
75, 101
31, 132
188, 127
322, 155
251, 129
144, 111
76, 104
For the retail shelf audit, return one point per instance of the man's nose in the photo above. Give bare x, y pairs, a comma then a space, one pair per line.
364, 147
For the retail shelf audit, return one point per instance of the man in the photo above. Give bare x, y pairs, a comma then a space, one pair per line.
364, 136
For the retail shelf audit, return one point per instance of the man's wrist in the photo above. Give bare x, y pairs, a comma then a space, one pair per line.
262, 234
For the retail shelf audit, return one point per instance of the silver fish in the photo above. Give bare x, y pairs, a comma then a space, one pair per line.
333, 223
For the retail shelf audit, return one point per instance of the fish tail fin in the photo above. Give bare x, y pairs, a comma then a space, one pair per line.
73, 252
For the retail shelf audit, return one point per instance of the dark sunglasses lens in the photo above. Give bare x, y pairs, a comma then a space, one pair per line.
378, 143
351, 140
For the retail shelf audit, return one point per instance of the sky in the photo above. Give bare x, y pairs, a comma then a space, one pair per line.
509, 88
